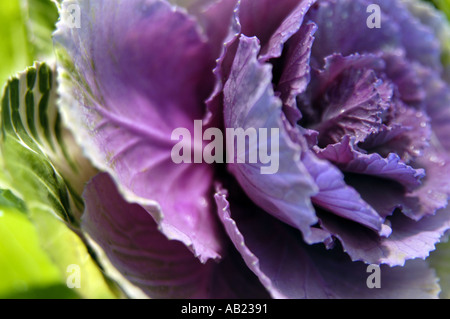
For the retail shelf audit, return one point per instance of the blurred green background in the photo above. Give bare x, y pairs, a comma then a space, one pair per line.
25, 34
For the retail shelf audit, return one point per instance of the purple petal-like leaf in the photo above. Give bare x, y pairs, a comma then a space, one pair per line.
353, 105
336, 64
437, 104
436, 21
249, 103
350, 160
343, 28
282, 20
435, 192
123, 95
290, 269
409, 239
427, 51
215, 17
401, 72
290, 25
161, 268
263, 18
271, 251
423, 201
399, 29
408, 134
331, 104
134, 245
337, 197
296, 70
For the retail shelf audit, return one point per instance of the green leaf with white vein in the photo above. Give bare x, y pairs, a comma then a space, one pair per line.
42, 161
44, 167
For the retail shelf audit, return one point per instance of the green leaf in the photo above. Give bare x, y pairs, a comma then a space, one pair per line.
34, 256
9, 200
24, 266
440, 261
444, 6
50, 292
43, 163
66, 248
